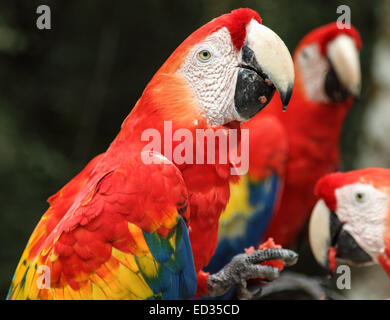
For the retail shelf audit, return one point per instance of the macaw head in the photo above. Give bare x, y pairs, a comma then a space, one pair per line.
228, 70
327, 64
352, 218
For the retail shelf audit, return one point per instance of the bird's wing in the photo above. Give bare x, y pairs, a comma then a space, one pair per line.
124, 237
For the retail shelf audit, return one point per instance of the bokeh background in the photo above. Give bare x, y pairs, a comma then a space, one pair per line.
64, 92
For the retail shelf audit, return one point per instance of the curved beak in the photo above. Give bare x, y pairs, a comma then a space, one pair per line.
326, 231
319, 233
344, 58
266, 65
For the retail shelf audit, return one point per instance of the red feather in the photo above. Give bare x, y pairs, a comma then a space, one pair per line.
91, 216
313, 130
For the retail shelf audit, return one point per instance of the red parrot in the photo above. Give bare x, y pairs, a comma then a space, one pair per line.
291, 150
327, 78
350, 221
141, 223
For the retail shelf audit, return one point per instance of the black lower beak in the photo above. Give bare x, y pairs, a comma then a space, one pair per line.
253, 90
335, 91
346, 246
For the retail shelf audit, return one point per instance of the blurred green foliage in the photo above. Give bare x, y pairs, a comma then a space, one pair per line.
64, 92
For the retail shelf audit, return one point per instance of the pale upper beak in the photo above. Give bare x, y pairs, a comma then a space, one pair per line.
266, 65
319, 232
344, 57
325, 231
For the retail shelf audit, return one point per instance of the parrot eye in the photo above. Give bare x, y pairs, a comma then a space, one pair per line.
305, 54
360, 197
204, 55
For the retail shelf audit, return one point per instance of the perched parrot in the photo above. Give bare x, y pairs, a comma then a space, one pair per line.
350, 222
291, 150
328, 77
139, 223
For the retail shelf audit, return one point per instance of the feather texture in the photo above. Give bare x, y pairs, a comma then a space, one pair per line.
254, 198
109, 244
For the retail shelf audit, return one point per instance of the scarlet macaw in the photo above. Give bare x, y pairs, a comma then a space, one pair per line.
350, 221
328, 77
290, 151
130, 228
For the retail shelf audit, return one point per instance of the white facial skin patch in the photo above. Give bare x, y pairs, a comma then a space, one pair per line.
211, 69
363, 209
313, 68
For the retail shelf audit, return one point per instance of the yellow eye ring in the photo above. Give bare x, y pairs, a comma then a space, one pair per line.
204, 55
360, 197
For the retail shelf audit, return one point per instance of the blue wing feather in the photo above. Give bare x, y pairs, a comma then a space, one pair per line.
176, 277
263, 196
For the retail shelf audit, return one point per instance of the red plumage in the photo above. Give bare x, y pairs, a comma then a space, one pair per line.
323, 35
94, 227
236, 23
313, 131
326, 186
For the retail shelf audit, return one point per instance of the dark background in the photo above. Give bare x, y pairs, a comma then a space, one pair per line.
64, 92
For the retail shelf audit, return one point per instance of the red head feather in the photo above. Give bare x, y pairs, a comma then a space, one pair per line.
165, 93
326, 33
236, 22
326, 186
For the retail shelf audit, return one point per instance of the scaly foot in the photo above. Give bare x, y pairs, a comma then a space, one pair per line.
244, 267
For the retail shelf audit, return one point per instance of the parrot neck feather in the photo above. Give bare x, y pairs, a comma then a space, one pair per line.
168, 99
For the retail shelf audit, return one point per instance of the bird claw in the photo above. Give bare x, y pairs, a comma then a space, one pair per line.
247, 292
244, 267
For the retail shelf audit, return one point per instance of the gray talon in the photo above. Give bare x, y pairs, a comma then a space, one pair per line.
288, 256
244, 267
